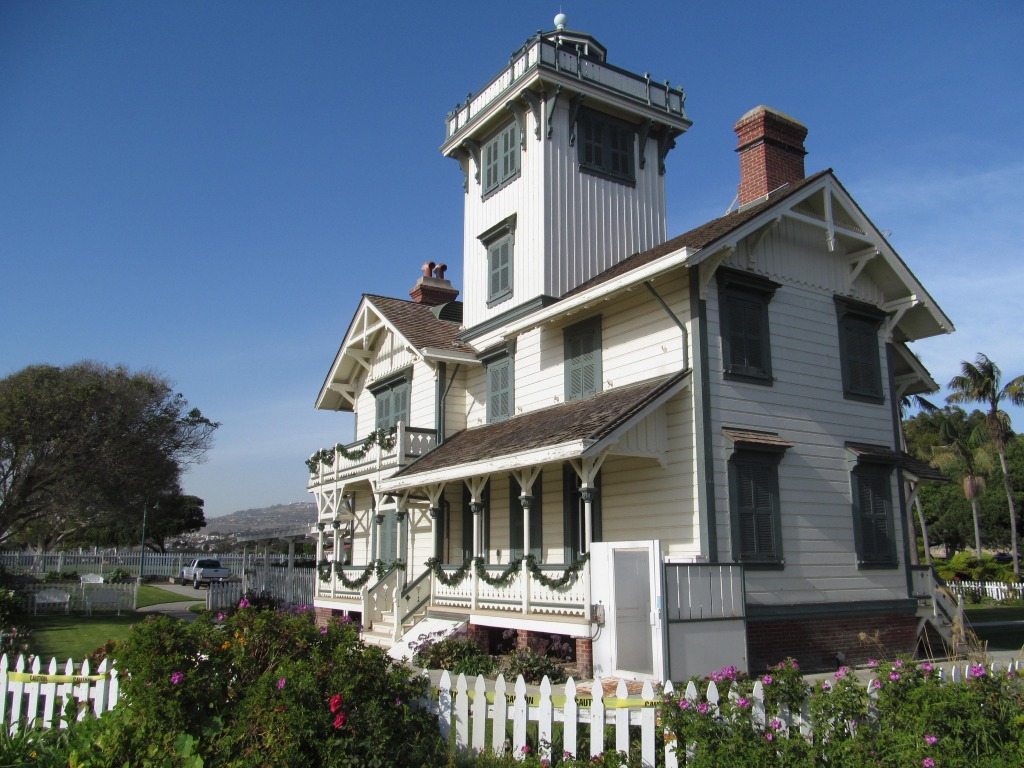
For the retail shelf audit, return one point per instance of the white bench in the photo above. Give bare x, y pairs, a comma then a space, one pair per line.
48, 598
95, 598
92, 578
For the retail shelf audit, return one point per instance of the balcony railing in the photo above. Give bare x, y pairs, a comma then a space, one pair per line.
410, 443
551, 56
524, 594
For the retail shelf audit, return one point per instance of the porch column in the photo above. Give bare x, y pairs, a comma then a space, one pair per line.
477, 508
588, 493
320, 556
435, 530
527, 502
378, 521
336, 525
402, 516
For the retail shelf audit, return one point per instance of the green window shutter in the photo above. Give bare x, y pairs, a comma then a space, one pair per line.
491, 179
605, 145
755, 491
864, 375
384, 401
873, 523
509, 152
499, 256
400, 404
499, 390
583, 360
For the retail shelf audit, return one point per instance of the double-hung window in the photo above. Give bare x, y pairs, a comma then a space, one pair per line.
873, 526
499, 241
391, 398
743, 313
859, 350
606, 146
583, 359
501, 158
500, 386
754, 497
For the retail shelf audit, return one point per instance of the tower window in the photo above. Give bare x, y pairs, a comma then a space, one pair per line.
606, 146
500, 244
501, 159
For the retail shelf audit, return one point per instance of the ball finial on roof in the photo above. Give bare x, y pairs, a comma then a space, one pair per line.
561, 20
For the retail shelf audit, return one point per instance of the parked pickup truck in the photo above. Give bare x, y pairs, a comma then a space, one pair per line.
204, 571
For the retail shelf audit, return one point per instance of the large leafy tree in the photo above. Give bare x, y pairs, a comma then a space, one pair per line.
980, 382
87, 443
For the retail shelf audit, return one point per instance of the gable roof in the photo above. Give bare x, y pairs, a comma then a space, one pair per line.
561, 432
416, 324
818, 200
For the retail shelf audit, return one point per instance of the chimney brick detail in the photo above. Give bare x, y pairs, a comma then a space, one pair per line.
433, 291
771, 149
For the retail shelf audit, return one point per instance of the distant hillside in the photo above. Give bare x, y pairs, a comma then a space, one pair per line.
263, 519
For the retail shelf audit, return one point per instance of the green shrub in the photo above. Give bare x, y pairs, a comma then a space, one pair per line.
455, 654
533, 667
119, 576
259, 688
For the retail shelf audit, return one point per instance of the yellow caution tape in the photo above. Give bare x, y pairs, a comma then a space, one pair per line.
585, 702
29, 677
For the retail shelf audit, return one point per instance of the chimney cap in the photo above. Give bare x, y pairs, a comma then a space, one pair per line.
762, 109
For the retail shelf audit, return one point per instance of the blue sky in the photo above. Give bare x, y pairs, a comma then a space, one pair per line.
206, 188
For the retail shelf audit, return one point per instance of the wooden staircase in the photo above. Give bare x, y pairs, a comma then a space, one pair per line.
941, 625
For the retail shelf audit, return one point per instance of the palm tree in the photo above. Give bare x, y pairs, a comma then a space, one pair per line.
906, 403
979, 382
964, 449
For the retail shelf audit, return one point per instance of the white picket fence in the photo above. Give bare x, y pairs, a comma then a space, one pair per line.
295, 587
36, 696
467, 708
997, 590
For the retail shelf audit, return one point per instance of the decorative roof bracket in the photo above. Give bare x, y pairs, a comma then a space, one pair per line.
574, 108
520, 114
534, 100
551, 109
859, 259
706, 269
645, 131
897, 309
472, 147
665, 144
756, 238
830, 232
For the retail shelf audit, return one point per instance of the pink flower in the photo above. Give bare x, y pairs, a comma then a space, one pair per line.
281, 683
742, 703
243, 603
825, 686
894, 675
776, 724
876, 684
898, 663
220, 617
702, 708
323, 630
931, 739
177, 677
767, 679
872, 662
684, 704
769, 736
841, 673
336, 703
977, 671
340, 720
525, 749
928, 763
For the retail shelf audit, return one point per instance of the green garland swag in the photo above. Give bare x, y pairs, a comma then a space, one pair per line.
385, 438
568, 576
434, 565
377, 567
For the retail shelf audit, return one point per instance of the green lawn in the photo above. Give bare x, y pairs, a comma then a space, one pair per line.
150, 595
75, 637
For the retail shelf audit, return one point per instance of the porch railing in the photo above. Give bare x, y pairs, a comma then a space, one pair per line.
527, 594
410, 443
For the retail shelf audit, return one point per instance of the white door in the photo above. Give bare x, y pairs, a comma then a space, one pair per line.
627, 584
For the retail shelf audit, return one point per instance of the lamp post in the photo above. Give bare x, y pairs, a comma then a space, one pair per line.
142, 552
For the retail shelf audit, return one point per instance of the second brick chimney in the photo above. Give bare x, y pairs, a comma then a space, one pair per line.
771, 147
433, 288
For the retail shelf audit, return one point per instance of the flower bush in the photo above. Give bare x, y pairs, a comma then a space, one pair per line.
259, 688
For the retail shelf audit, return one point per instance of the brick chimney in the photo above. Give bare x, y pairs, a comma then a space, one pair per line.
432, 288
771, 147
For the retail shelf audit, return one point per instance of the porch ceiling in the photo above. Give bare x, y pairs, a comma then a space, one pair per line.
566, 431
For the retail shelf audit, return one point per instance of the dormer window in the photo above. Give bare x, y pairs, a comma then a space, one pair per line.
606, 146
501, 159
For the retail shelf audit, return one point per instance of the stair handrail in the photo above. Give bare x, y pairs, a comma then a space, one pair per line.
380, 598
415, 595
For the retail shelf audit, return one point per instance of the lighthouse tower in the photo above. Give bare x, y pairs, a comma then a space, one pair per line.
564, 162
